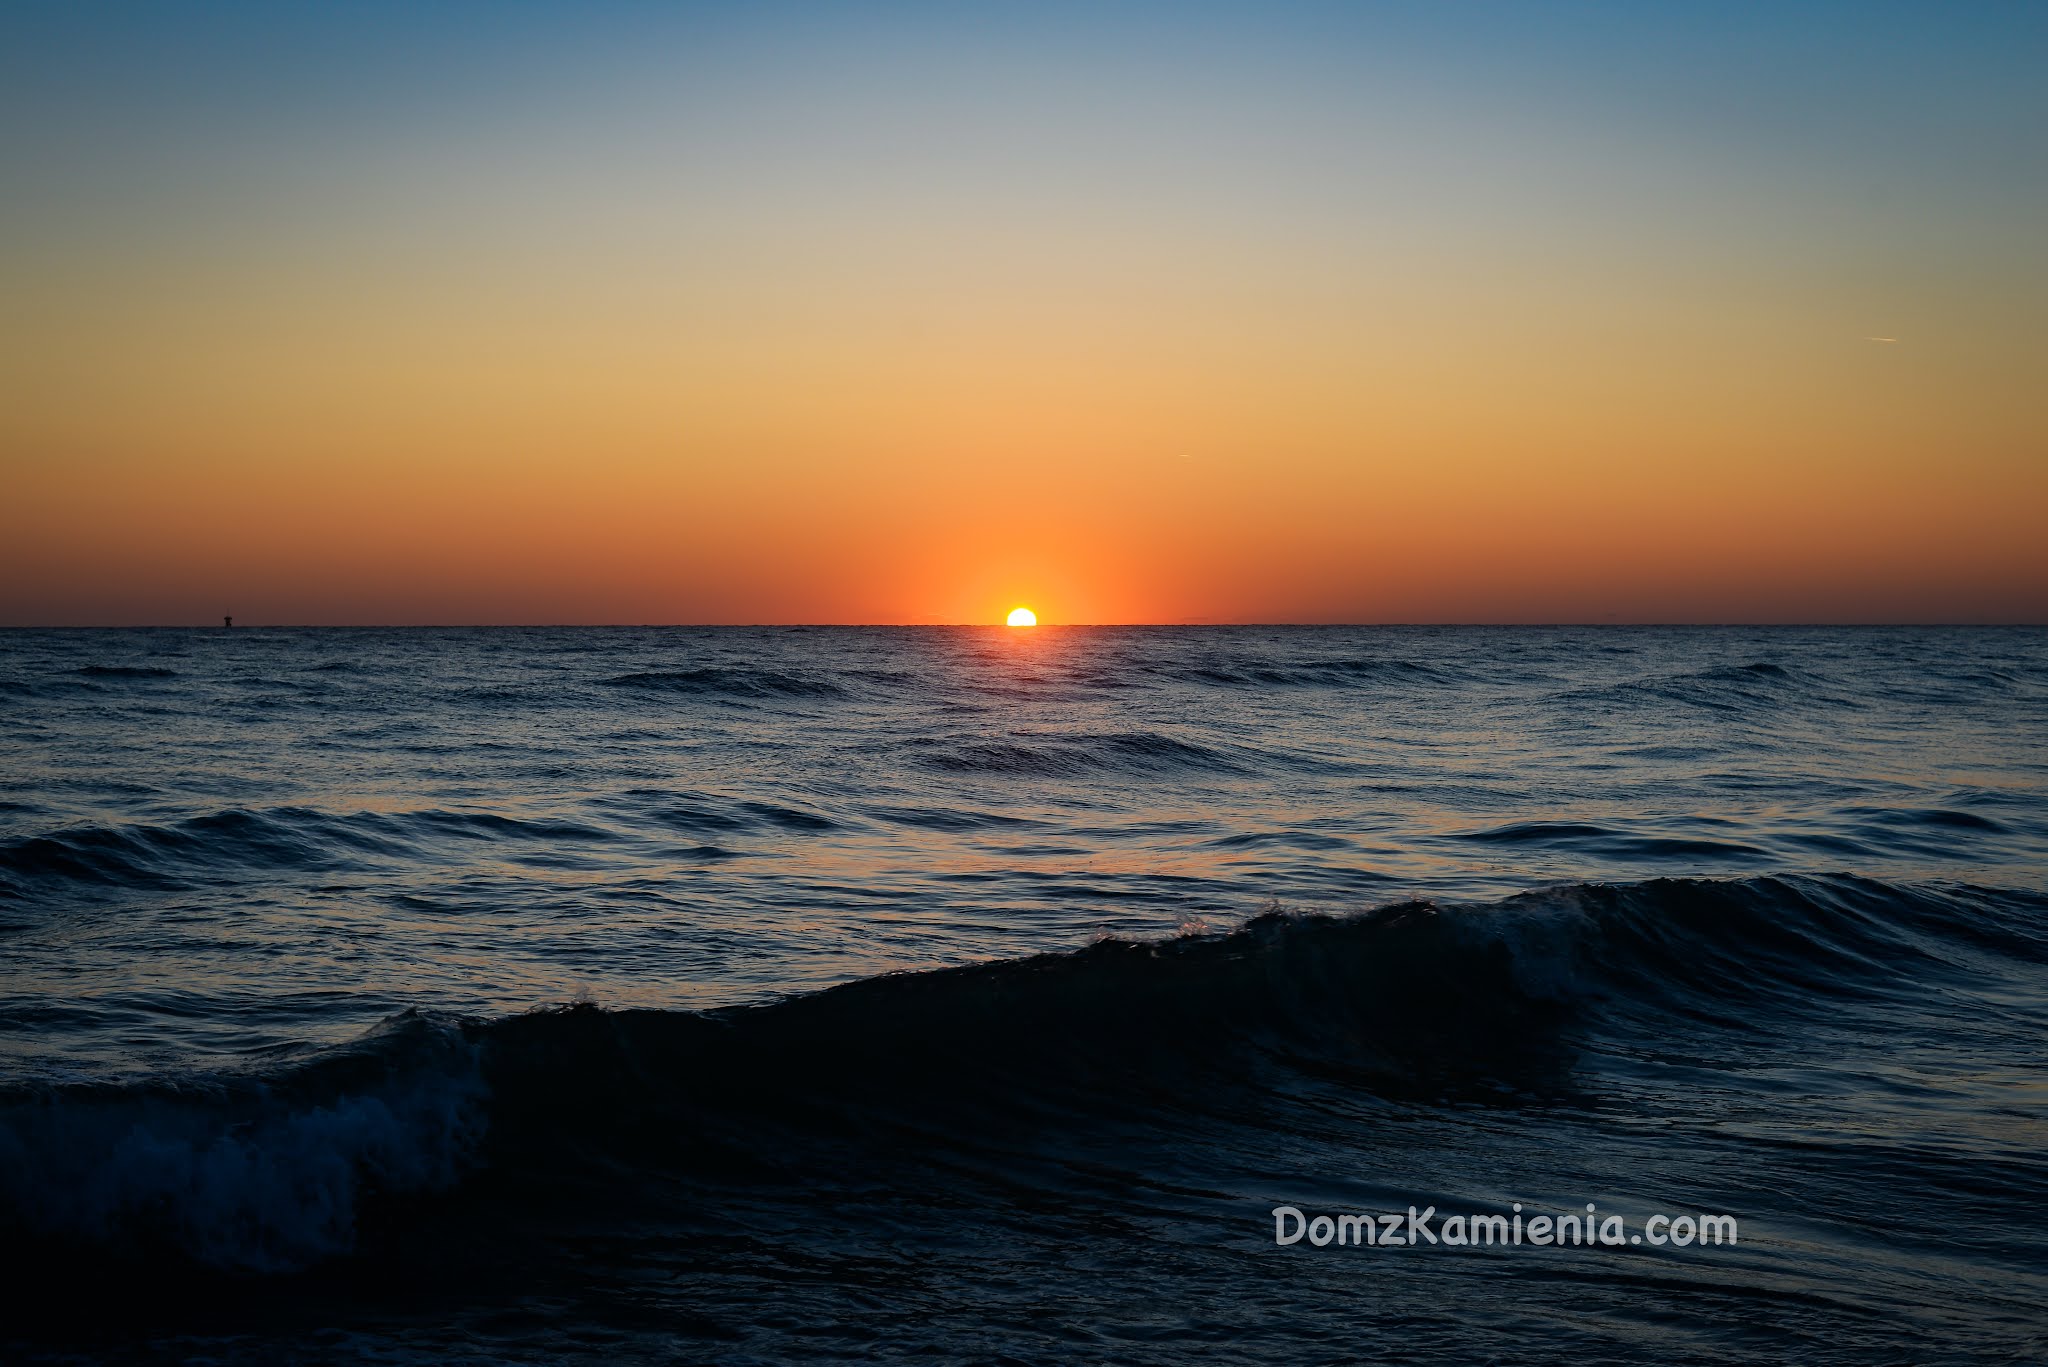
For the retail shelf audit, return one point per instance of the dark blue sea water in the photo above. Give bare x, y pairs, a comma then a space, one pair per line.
977, 995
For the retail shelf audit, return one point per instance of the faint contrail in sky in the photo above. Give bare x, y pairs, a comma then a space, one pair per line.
1880, 339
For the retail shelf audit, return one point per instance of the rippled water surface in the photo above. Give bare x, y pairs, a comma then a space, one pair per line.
1735, 920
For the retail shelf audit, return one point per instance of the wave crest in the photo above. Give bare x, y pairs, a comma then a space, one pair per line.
244, 1174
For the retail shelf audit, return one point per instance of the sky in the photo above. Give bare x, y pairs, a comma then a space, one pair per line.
1130, 312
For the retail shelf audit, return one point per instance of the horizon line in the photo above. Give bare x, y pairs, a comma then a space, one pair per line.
1000, 626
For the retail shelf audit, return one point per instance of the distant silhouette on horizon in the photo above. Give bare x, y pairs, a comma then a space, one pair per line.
227, 621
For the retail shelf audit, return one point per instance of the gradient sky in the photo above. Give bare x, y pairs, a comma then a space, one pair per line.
1130, 312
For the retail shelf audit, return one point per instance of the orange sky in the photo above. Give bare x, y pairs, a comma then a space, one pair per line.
1125, 350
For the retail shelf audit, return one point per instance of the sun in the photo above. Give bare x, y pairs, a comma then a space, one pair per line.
1023, 617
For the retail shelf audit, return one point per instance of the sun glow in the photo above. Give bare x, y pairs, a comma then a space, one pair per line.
1023, 617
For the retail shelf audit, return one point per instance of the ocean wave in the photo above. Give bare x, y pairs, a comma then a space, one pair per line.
951, 819
1290, 840
697, 814
244, 1174
147, 855
235, 842
1074, 755
1311, 673
1735, 689
125, 672
1609, 843
1935, 818
1410, 1002
719, 682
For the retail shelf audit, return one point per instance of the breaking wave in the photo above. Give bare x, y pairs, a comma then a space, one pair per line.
1414, 1003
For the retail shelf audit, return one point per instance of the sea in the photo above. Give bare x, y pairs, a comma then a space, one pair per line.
766, 995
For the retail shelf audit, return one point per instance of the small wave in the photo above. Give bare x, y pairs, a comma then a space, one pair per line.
702, 854
1073, 756
1729, 688
1611, 843
666, 811
1294, 840
1336, 673
155, 856
950, 819
492, 826
125, 672
710, 816
1940, 818
235, 841
790, 818
712, 681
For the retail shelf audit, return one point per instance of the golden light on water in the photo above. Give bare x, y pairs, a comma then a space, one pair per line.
1023, 617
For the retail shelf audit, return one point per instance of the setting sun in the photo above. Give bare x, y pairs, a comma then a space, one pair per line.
1023, 617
